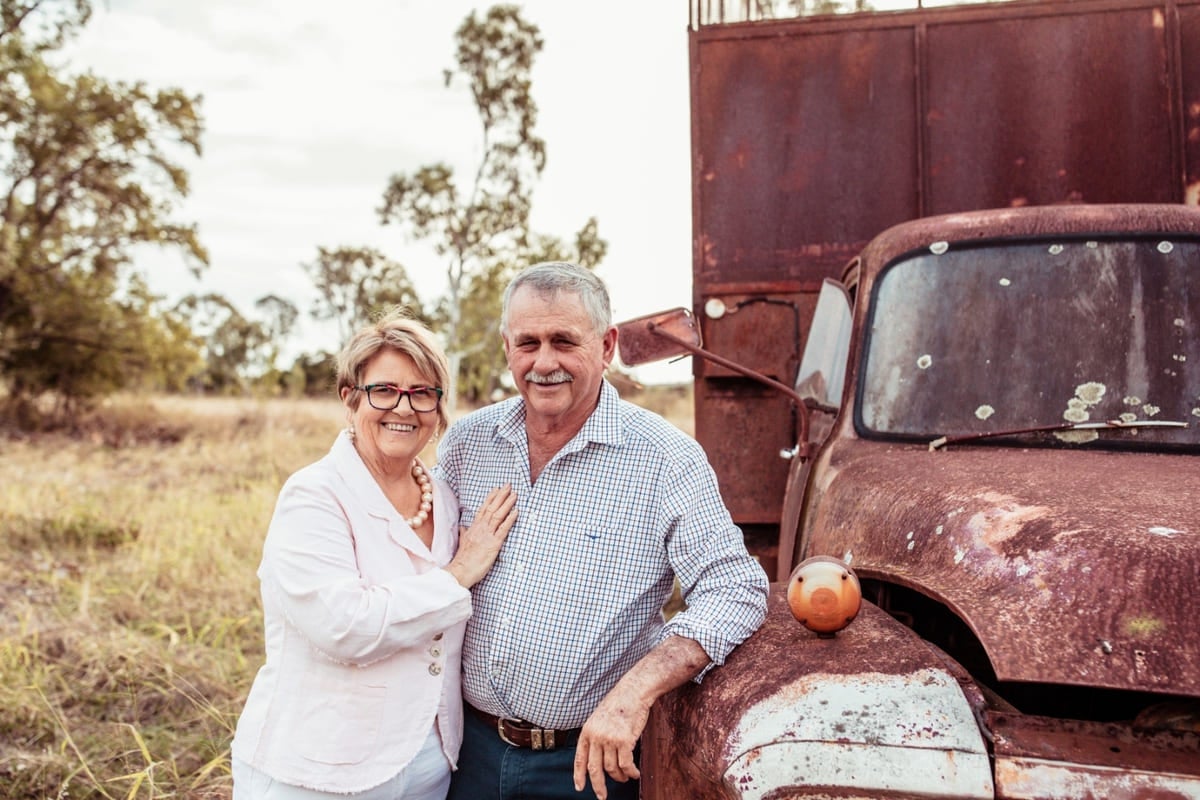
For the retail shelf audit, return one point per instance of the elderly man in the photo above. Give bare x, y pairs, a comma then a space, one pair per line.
567, 649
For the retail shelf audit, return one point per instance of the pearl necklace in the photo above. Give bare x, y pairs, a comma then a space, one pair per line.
422, 514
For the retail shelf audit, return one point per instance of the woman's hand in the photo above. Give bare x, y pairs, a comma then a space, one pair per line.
479, 545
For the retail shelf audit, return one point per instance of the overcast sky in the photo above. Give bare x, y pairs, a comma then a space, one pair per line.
310, 106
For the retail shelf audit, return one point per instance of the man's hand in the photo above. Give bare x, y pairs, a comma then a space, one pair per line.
608, 737
607, 740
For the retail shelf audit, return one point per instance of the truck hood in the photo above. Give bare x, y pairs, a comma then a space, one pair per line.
1070, 567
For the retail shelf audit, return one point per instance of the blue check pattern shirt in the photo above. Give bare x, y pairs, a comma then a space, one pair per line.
574, 599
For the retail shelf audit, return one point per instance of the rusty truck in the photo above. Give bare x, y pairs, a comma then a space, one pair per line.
945, 328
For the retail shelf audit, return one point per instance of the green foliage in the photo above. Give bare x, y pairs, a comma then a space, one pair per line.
481, 226
357, 284
87, 173
233, 346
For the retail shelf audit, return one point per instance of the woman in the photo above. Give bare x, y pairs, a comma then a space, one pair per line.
365, 595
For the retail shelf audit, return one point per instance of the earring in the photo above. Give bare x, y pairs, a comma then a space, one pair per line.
350, 432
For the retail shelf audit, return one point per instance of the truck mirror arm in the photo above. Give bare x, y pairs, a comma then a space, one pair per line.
803, 446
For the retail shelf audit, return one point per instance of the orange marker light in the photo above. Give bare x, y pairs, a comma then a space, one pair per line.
824, 594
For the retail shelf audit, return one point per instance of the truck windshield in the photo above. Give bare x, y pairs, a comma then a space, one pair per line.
1003, 336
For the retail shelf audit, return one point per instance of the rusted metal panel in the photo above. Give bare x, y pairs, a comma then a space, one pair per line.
1189, 60
792, 168
868, 713
738, 334
744, 448
1057, 562
1050, 108
1038, 757
811, 136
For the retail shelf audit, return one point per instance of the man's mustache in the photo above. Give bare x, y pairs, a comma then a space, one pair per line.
558, 376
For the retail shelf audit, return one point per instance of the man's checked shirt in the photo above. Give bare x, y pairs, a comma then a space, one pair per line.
575, 598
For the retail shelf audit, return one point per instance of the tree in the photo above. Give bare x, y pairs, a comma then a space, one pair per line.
86, 175
356, 284
482, 229
236, 349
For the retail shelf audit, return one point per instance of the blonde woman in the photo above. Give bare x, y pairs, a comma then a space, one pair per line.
365, 582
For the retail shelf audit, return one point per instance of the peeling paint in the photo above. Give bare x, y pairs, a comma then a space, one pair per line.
1159, 530
1055, 249
1091, 392
1076, 437
925, 361
1128, 417
1150, 410
1005, 282
1132, 400
1165, 247
1075, 415
919, 711
937, 248
984, 411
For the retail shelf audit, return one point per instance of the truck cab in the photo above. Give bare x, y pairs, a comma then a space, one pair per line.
1004, 438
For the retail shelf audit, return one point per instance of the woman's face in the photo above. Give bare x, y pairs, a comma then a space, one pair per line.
389, 440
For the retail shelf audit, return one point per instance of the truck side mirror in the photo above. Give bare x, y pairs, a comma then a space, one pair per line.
639, 344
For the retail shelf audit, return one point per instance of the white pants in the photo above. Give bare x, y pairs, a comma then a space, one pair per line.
427, 777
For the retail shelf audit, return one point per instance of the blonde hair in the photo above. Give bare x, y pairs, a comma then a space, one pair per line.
396, 330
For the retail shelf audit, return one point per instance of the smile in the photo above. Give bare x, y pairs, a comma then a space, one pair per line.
399, 427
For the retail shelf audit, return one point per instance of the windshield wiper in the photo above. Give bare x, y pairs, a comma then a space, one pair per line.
1066, 426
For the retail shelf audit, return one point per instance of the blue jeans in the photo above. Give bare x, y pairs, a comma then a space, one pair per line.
489, 769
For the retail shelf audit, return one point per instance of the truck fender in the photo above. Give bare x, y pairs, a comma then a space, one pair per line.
869, 712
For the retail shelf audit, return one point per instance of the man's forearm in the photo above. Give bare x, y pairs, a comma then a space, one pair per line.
672, 663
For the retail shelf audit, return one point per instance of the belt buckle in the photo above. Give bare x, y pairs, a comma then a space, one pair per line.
500, 730
539, 738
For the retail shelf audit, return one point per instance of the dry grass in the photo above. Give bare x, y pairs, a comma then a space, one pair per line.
129, 615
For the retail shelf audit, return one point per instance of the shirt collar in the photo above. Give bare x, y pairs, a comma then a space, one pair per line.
602, 427
354, 472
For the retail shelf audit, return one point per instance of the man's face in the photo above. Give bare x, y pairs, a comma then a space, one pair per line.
556, 357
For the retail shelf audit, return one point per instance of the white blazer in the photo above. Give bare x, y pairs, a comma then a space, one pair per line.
364, 633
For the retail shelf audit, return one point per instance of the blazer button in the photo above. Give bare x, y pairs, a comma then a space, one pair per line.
435, 668
435, 651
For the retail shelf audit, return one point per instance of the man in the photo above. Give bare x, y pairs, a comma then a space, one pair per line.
567, 650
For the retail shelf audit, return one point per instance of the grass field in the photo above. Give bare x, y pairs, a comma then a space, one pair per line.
130, 627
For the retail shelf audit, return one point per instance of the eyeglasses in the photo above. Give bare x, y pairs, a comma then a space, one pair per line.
386, 396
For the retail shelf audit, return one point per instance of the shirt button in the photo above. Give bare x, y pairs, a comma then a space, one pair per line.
435, 669
435, 651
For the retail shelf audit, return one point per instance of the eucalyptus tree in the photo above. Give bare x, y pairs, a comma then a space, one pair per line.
88, 172
356, 284
480, 225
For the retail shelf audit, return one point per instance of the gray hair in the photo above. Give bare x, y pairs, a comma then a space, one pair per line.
552, 277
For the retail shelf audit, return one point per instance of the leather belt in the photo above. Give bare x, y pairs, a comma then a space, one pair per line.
519, 733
